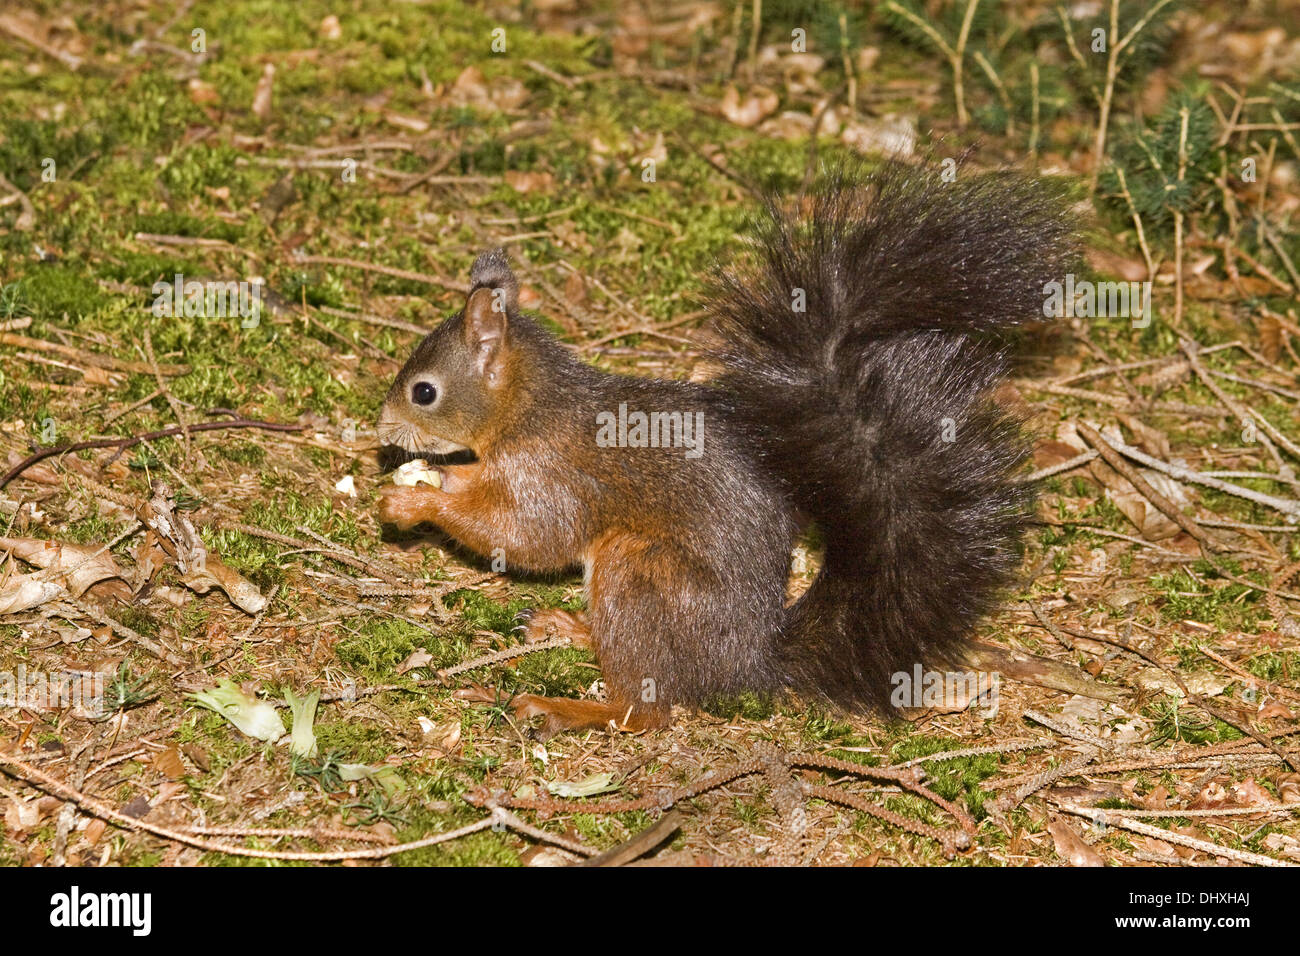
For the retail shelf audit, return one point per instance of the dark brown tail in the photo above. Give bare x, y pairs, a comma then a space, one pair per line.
873, 407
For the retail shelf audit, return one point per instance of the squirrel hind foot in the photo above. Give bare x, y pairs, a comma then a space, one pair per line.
553, 622
562, 713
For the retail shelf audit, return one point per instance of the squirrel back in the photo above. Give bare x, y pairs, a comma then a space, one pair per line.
872, 406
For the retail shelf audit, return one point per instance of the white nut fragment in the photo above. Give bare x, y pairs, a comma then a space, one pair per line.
416, 471
346, 486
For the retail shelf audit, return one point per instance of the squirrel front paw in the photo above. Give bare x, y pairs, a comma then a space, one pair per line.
407, 506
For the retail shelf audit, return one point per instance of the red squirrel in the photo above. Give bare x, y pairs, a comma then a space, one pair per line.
856, 370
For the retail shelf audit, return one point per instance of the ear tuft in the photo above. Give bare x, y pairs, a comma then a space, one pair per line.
492, 271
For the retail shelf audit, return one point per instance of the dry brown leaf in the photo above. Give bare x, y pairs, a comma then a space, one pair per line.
91, 375
575, 289
756, 106
21, 592
168, 763
547, 856
507, 93
790, 126
1281, 843
568, 233
417, 658
1274, 710
213, 573
198, 755
169, 790
39, 473
1155, 679
22, 816
632, 37
1049, 453
199, 570
1146, 517
37, 29
262, 95
1270, 337
1248, 793
1212, 797
60, 558
202, 93
529, 182
1127, 268
150, 558
804, 65
469, 88
1157, 799
1070, 846
1155, 847
450, 740
1151, 440
1187, 852
1288, 787
890, 136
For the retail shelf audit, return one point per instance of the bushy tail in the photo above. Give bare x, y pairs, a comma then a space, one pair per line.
872, 405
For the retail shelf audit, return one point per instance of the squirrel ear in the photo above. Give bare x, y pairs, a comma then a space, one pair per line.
492, 271
485, 333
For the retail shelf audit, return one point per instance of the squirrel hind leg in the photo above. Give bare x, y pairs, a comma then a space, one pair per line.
562, 713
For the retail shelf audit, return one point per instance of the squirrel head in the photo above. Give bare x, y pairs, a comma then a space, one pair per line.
457, 383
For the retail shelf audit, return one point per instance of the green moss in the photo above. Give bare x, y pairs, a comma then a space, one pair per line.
1199, 597
376, 647
292, 509
1171, 719
485, 848
354, 742
1276, 666
55, 291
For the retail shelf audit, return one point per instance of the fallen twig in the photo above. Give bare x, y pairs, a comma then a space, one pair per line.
122, 444
499, 817
1110, 818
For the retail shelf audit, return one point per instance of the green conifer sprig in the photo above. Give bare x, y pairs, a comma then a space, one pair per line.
951, 33
1149, 156
1148, 49
905, 17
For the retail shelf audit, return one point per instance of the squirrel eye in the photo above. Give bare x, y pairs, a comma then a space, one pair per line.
422, 393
